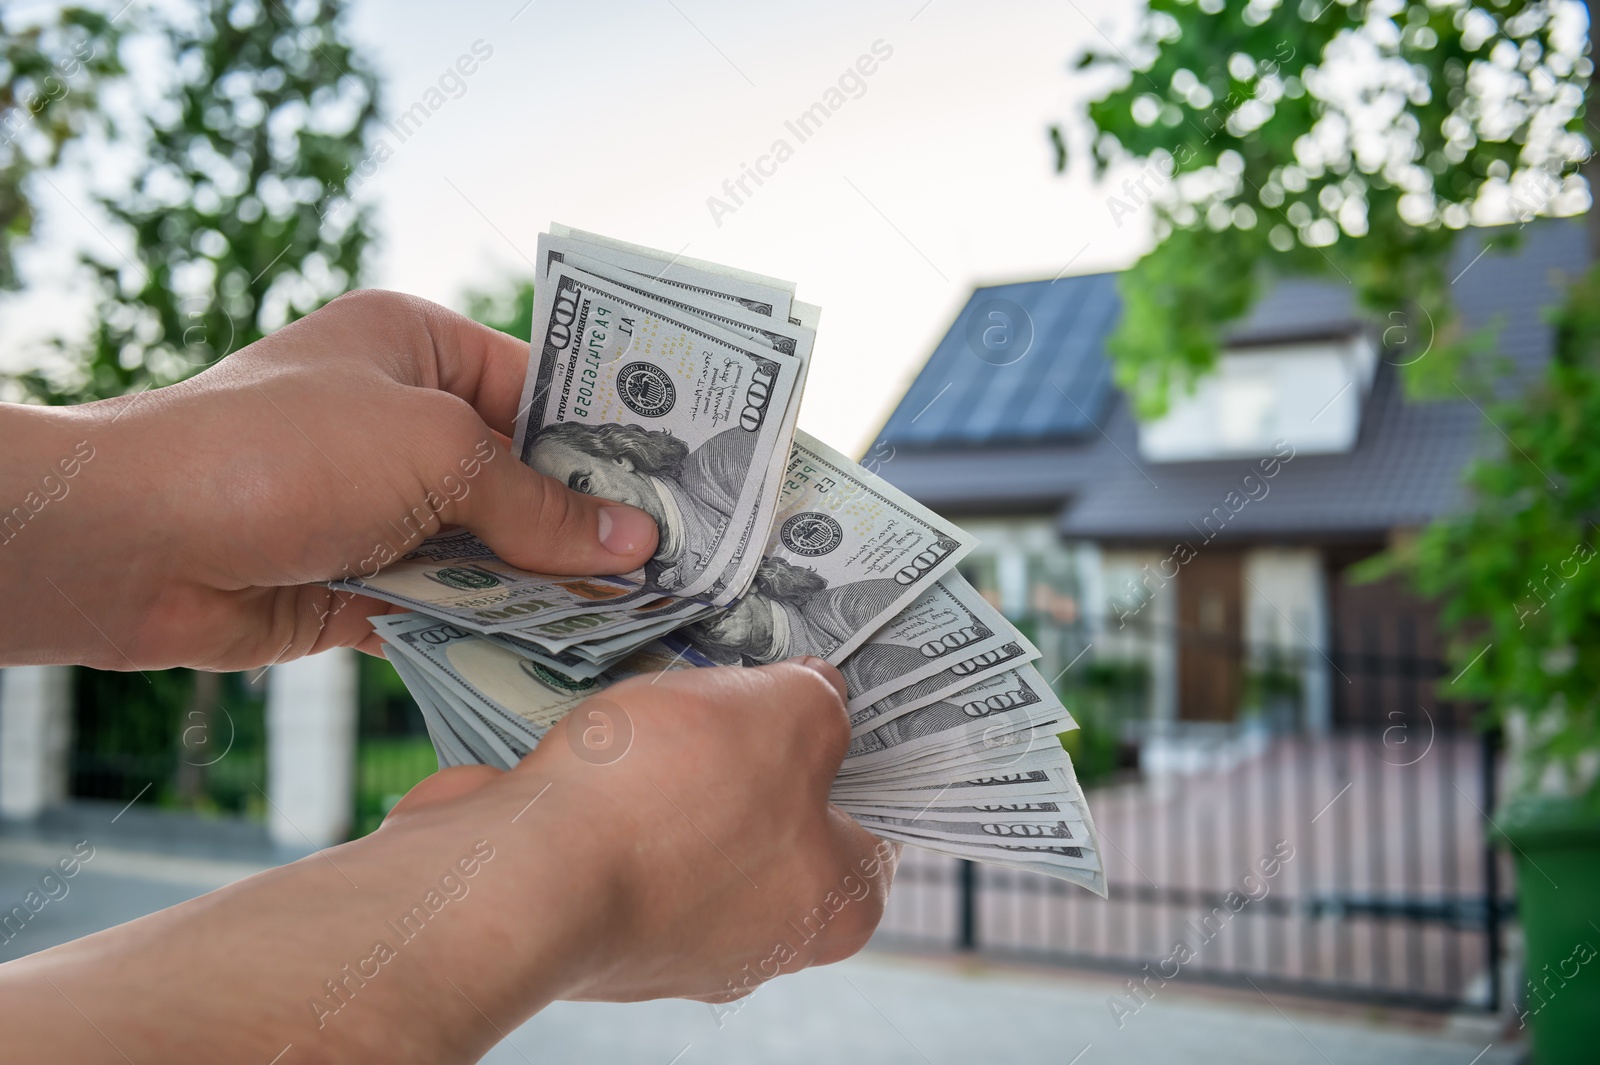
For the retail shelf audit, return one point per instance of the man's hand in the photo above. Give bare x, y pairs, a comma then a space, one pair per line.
737, 867
703, 861
199, 529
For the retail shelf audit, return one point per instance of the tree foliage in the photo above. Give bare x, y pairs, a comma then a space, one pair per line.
240, 215
1351, 139
50, 74
1517, 574
508, 308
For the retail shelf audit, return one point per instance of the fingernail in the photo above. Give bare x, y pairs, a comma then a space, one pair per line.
827, 672
625, 530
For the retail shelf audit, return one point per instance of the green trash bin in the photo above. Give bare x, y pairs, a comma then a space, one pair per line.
1555, 843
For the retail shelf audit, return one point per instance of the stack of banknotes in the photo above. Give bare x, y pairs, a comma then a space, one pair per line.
674, 385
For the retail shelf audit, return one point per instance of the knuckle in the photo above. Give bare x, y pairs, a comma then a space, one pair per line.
812, 709
825, 722
453, 412
858, 933
375, 300
848, 934
872, 908
455, 428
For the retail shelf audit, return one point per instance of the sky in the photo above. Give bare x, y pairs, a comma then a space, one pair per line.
628, 117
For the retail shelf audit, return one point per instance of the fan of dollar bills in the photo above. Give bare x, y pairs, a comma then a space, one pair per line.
674, 385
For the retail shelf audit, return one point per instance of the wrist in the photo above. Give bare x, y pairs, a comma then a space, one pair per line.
49, 486
561, 856
120, 549
495, 922
427, 940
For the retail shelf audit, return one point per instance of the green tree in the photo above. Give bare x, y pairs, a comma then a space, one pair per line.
508, 308
1352, 139
241, 217
50, 75
1517, 573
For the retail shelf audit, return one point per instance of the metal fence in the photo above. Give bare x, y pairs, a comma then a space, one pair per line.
1345, 857
393, 751
181, 739
170, 738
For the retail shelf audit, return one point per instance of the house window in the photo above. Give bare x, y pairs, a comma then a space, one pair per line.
1307, 395
1247, 408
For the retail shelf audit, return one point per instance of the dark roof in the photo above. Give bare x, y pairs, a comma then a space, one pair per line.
998, 439
1299, 309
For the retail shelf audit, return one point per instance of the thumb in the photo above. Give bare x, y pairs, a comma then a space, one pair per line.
536, 523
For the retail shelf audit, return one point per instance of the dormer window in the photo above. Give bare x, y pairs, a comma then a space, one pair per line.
1247, 411
1308, 393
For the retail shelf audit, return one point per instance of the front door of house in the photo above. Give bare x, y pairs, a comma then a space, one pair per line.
1210, 631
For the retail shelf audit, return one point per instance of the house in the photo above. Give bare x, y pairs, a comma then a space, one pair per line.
1210, 550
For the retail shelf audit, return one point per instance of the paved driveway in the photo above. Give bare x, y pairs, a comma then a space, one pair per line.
885, 1010
878, 1008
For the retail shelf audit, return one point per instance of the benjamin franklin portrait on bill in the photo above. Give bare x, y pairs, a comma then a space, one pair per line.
691, 493
789, 611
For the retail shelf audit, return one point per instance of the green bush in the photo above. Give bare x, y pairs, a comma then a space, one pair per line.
151, 736
385, 770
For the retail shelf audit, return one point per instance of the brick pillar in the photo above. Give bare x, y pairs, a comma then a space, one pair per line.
35, 739
311, 748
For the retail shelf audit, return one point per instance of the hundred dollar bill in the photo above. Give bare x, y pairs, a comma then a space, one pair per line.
490, 743
565, 662
445, 712
1007, 743
770, 549
952, 678
445, 670
789, 336
456, 575
633, 400
787, 339
1012, 753
981, 831
767, 296
579, 632
512, 693
1013, 785
705, 300
583, 632
610, 648
1086, 872
1076, 858
965, 723
446, 745
1019, 852
947, 624
1043, 812
848, 552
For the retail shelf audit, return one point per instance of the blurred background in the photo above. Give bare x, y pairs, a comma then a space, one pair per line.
1255, 340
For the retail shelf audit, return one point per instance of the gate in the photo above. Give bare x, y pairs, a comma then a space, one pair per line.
1345, 858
